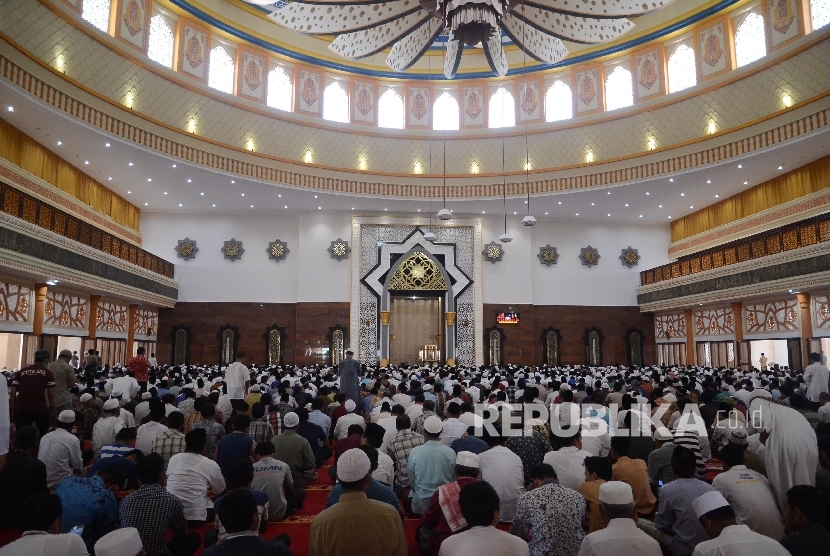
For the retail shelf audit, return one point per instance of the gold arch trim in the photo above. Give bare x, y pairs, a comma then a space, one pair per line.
418, 272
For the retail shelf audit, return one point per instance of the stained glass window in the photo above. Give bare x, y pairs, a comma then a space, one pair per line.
819, 13
160, 44
220, 71
97, 12
336, 103
559, 103
280, 93
750, 40
390, 110
682, 69
445, 113
619, 89
502, 111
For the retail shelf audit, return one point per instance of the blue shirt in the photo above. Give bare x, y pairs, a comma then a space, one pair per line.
676, 511
128, 466
431, 465
321, 420
315, 436
377, 491
232, 447
468, 444
86, 501
114, 450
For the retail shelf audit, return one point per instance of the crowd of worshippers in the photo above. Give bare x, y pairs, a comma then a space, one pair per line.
131, 460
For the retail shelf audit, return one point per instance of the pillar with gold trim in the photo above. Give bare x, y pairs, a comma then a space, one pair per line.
384, 338
449, 319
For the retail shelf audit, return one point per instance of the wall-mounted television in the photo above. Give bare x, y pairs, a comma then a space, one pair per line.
507, 318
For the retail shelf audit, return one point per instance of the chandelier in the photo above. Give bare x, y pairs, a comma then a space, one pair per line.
538, 27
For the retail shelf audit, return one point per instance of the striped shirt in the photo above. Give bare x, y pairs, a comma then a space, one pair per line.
168, 444
260, 431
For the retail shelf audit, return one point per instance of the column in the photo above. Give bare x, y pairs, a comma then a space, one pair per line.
806, 326
93, 312
449, 319
737, 312
37, 318
691, 352
384, 338
131, 331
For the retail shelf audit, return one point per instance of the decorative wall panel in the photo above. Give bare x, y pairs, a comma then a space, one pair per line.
529, 105
146, 322
15, 303
61, 310
133, 22
192, 54
714, 322
772, 317
714, 49
309, 92
783, 20
473, 105
670, 326
649, 78
588, 89
111, 317
252, 79
821, 312
364, 100
418, 106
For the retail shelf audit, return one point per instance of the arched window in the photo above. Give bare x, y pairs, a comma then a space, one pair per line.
97, 12
390, 110
819, 13
280, 93
619, 89
559, 102
750, 40
160, 43
502, 110
445, 113
220, 71
336, 103
682, 70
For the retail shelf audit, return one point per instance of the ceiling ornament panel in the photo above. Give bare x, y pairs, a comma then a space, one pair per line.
409, 27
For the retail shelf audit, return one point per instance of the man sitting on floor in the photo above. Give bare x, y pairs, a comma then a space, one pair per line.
806, 516
240, 474
191, 474
272, 476
238, 513
357, 525
376, 491
40, 523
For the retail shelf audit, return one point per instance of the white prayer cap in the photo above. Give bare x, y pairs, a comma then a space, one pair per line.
67, 416
433, 425
707, 502
759, 394
738, 437
353, 465
291, 420
111, 404
427, 387
663, 435
467, 459
616, 492
670, 398
117, 393
255, 388
350, 405
121, 542
146, 396
86, 397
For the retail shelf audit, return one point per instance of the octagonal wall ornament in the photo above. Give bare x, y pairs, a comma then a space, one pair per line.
339, 249
233, 249
493, 252
629, 257
589, 256
186, 249
548, 255
277, 250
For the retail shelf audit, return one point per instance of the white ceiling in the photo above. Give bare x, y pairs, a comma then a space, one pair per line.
158, 184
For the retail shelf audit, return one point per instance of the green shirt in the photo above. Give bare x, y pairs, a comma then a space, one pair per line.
294, 450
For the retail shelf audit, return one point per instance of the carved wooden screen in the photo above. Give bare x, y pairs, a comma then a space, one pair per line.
338, 339
634, 343
593, 347
494, 340
550, 346
181, 346
228, 336
274, 345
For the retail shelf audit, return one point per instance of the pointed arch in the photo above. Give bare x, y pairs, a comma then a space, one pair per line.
750, 39
819, 13
445, 112
280, 89
682, 69
220, 70
336, 103
502, 109
97, 13
559, 103
619, 89
390, 110
160, 42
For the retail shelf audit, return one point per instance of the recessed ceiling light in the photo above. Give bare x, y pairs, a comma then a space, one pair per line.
746, 183
609, 192
55, 283
352, 208
577, 214
180, 204
165, 192
385, 209
109, 178
128, 192
592, 204
315, 196
670, 216
740, 165
233, 181
86, 161
130, 164
609, 214
149, 179
691, 206
60, 143
626, 204
682, 194
419, 210
243, 194
514, 212
546, 214
671, 180
659, 206
107, 145
202, 193
10, 108
321, 208
174, 166
708, 181
482, 212
717, 195
145, 204
252, 206
641, 216
560, 202
214, 206
647, 193
780, 167
286, 206
280, 195
189, 180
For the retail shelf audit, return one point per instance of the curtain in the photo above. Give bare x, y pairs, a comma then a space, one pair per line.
671, 354
23, 151
793, 185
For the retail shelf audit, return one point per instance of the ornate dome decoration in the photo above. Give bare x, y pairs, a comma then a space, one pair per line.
409, 27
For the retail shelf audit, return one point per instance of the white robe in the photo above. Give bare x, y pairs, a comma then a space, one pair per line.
791, 452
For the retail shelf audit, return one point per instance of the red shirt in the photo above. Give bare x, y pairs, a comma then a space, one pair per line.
31, 383
351, 441
140, 368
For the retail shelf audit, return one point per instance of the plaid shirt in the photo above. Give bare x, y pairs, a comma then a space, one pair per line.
215, 432
186, 406
191, 420
168, 444
418, 424
260, 431
275, 420
403, 443
151, 510
89, 416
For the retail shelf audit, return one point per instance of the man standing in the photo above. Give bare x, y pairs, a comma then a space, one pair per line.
349, 372
237, 380
341, 529
763, 362
816, 378
64, 379
140, 368
31, 387
60, 450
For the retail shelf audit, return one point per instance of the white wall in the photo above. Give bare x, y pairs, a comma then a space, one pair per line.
11, 349
309, 274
